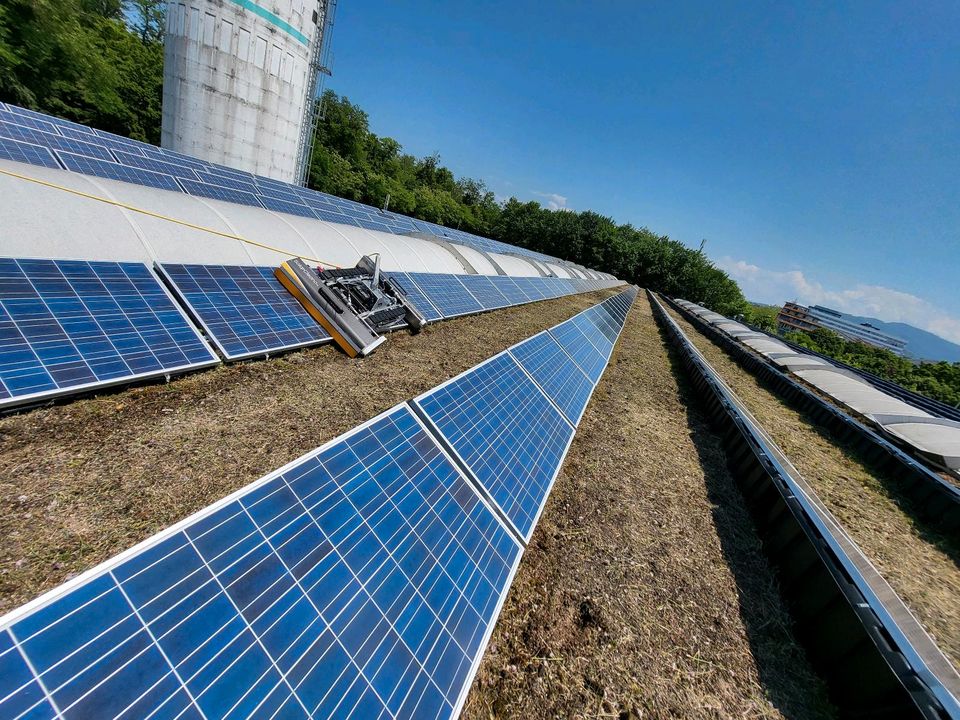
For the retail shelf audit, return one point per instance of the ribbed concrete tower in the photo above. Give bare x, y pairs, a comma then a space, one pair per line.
237, 78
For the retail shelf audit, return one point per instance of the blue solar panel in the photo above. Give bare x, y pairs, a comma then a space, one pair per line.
26, 121
506, 432
115, 171
603, 322
285, 206
107, 141
446, 293
585, 344
168, 167
217, 192
419, 300
509, 289
334, 217
361, 581
27, 153
556, 373
54, 142
226, 180
71, 325
486, 293
245, 311
530, 287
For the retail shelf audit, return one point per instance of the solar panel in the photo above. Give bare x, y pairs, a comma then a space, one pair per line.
51, 141
506, 432
446, 293
15, 118
419, 300
285, 206
486, 293
245, 311
107, 141
579, 338
604, 323
27, 153
509, 289
217, 192
360, 581
116, 171
69, 325
225, 180
168, 167
529, 288
556, 373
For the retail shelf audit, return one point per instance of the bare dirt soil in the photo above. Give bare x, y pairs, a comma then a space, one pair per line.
83, 481
921, 565
644, 591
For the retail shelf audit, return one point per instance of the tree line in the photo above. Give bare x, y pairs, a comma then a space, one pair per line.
100, 62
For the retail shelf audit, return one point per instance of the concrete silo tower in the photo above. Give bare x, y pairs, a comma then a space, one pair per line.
239, 79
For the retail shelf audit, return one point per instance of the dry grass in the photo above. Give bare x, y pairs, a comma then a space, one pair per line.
644, 592
920, 565
85, 480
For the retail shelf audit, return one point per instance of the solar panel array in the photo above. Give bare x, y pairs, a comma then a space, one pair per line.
57, 143
71, 326
362, 580
68, 325
244, 310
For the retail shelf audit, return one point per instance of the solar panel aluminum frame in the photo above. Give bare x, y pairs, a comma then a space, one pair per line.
41, 397
51, 596
462, 465
195, 318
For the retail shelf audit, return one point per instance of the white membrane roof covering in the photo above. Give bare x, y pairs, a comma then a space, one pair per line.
941, 440
48, 222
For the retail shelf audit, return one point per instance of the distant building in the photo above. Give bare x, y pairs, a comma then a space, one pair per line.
807, 319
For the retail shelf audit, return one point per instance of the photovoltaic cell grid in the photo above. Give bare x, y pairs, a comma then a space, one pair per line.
416, 296
486, 293
506, 432
68, 325
244, 310
238, 187
361, 581
53, 142
446, 293
556, 373
27, 153
579, 339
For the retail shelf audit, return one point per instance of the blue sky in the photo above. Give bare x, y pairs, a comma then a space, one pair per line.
816, 146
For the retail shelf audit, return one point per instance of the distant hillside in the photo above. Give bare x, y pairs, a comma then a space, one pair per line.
921, 345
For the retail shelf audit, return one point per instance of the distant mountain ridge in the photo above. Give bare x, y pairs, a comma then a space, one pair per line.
921, 344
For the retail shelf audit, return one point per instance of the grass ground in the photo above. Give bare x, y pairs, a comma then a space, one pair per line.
643, 592
922, 566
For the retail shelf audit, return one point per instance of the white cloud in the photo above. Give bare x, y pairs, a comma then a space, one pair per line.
776, 286
554, 201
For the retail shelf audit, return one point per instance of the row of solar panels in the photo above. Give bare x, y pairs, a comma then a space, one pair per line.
70, 326
931, 437
38, 139
362, 580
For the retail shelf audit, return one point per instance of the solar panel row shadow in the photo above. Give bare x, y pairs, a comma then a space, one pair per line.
69, 325
360, 581
244, 310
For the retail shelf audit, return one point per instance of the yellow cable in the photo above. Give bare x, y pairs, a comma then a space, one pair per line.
159, 216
